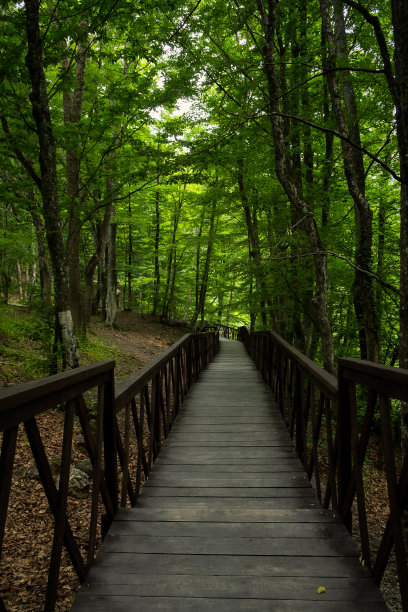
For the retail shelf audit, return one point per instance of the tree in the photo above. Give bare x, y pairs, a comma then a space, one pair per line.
284, 174
48, 184
363, 292
269, 201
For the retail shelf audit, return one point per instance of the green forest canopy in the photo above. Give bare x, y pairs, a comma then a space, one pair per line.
242, 162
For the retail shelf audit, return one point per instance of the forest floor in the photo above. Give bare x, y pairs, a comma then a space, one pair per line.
135, 341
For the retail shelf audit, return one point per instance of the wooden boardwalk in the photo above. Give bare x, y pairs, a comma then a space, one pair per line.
228, 520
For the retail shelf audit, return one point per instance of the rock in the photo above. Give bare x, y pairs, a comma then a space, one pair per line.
32, 473
78, 484
80, 444
92, 425
86, 466
55, 465
80, 441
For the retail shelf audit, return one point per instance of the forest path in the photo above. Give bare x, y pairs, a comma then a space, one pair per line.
228, 520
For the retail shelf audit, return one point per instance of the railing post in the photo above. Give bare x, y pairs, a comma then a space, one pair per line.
197, 358
189, 362
344, 446
177, 375
156, 420
109, 438
299, 407
258, 350
265, 356
204, 350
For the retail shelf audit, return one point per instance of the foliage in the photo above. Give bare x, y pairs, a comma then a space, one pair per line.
23, 340
174, 117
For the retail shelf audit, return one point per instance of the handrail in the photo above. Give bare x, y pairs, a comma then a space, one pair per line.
226, 331
383, 383
131, 424
22, 404
36, 396
326, 381
322, 412
387, 380
149, 400
132, 385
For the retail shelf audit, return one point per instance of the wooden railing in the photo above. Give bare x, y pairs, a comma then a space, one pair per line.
150, 400
226, 331
333, 421
130, 426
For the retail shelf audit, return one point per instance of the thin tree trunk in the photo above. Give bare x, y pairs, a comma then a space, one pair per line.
328, 159
100, 238
253, 242
49, 181
380, 256
188, 304
43, 261
204, 279
156, 295
198, 259
130, 259
252, 310
308, 327
19, 281
171, 258
110, 271
170, 301
227, 318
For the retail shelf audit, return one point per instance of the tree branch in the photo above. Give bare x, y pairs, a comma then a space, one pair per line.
373, 275
26, 163
325, 131
382, 43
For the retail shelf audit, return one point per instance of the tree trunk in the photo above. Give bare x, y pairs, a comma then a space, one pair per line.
130, 259
170, 301
198, 260
363, 293
204, 279
308, 326
171, 258
19, 281
253, 242
43, 261
328, 159
227, 318
188, 304
399, 22
283, 172
100, 238
156, 295
49, 181
72, 102
111, 276
380, 257
252, 310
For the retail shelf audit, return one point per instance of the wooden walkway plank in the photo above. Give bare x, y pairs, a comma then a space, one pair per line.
228, 521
